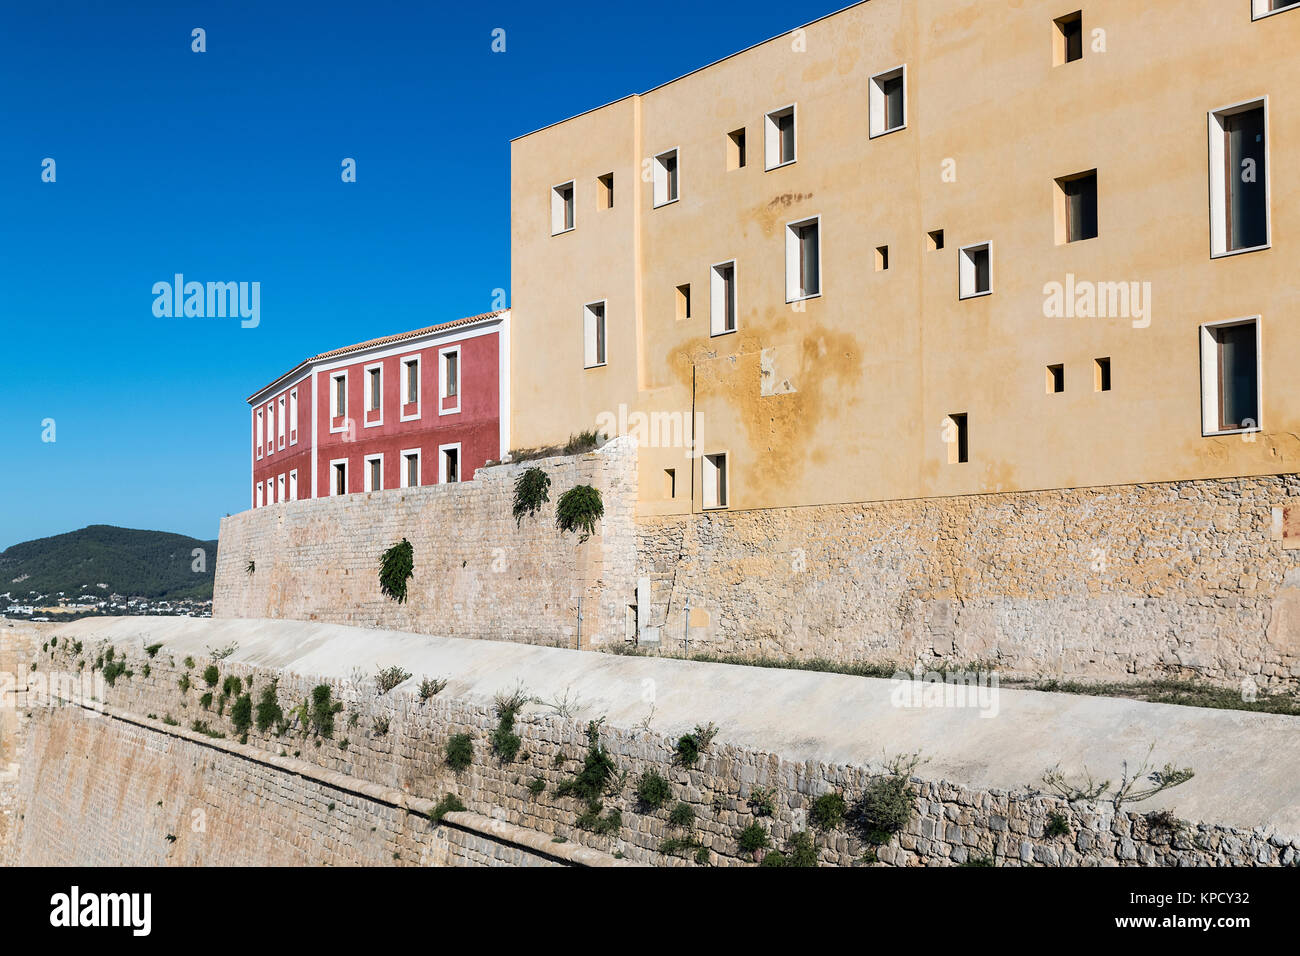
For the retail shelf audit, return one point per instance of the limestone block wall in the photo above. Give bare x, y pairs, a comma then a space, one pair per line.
476, 574
1196, 578
109, 801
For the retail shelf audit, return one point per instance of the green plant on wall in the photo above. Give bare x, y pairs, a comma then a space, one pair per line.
250, 567
578, 510
396, 566
532, 490
459, 752
269, 711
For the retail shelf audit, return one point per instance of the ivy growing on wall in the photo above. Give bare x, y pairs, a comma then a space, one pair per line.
532, 490
578, 510
395, 569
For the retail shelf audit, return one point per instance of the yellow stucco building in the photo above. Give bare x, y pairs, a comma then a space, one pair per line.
926, 248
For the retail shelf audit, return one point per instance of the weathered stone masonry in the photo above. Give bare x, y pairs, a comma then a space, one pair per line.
1197, 578
92, 786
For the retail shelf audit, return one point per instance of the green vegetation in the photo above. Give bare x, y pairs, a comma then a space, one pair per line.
532, 490
753, 838
211, 675
578, 510
153, 649
381, 726
450, 803
390, 677
269, 711
577, 444
150, 564
979, 861
321, 710
431, 687
885, 807
232, 686
682, 815
591, 819
678, 844
459, 752
396, 565
690, 746
113, 670
201, 727
762, 801
189, 663
828, 811
505, 742
652, 790
241, 714
597, 771
250, 568
799, 851
1057, 825
536, 786
206, 700
184, 683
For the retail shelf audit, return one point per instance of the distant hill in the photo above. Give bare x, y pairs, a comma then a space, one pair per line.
155, 564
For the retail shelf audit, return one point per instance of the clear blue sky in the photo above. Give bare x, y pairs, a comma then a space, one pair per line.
225, 166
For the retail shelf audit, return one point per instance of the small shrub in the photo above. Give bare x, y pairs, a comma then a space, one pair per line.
232, 686
390, 677
801, 851
153, 649
396, 565
690, 746
828, 811
322, 710
753, 838
762, 801
211, 675
381, 726
885, 807
678, 844
682, 815
1057, 825
189, 663
775, 858
536, 786
578, 510
146, 670
459, 752
591, 819
206, 700
184, 683
201, 727
652, 790
431, 687
702, 855
505, 742
113, 670
597, 770
532, 490
268, 709
241, 714
250, 567
1164, 821
450, 803
979, 861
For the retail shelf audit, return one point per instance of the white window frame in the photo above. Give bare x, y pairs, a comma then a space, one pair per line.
792, 248
260, 433
660, 176
280, 488
1259, 9
442, 463
366, 394
717, 305
403, 364
293, 484
334, 462
334, 400
1218, 187
966, 271
419, 466
589, 337
709, 481
270, 428
772, 137
558, 228
877, 106
1210, 377
281, 412
270, 491
442, 378
367, 462
259, 495
293, 416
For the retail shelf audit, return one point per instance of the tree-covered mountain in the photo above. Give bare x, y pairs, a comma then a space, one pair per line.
155, 564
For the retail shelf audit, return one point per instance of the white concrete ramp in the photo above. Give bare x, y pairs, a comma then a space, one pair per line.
1247, 765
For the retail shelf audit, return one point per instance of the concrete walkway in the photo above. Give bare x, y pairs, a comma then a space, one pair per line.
1247, 765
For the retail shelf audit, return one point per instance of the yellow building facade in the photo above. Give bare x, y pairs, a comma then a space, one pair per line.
926, 248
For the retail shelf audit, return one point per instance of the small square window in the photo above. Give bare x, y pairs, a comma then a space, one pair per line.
1055, 379
934, 240
1101, 375
955, 436
779, 138
561, 208
882, 258
1076, 207
683, 298
605, 188
888, 101
1067, 39
975, 270
715, 481
665, 178
736, 149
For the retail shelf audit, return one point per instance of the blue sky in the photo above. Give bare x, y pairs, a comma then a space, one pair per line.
225, 166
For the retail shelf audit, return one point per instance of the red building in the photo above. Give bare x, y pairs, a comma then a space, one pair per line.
418, 408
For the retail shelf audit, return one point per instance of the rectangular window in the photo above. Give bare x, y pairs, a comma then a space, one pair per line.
1239, 214
258, 500
683, 301
1076, 207
448, 464
338, 395
1055, 379
411, 381
339, 476
593, 334
882, 258
670, 482
715, 480
411, 468
293, 417
722, 298
778, 138
374, 387
270, 428
975, 270
934, 240
374, 474
281, 409
955, 436
561, 208
1067, 39
1230, 379
803, 269
279, 488
665, 178
451, 373
736, 149
888, 101
258, 436
605, 188
293, 485
1101, 375
1264, 8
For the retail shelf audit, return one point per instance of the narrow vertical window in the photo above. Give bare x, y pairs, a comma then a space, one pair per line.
715, 481
340, 478
736, 149
451, 372
281, 412
722, 299
593, 332
1230, 380
375, 473
665, 178
339, 396
293, 417
449, 467
1239, 213
934, 240
1076, 207
1067, 39
975, 270
888, 101
373, 388
605, 188
561, 208
293, 485
882, 258
1055, 379
779, 137
412, 374
1101, 375
955, 436
802, 260
411, 468
258, 436
670, 482
683, 301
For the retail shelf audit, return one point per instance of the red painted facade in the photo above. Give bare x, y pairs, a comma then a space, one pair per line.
354, 409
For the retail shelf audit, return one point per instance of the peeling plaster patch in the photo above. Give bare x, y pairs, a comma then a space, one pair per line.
770, 380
